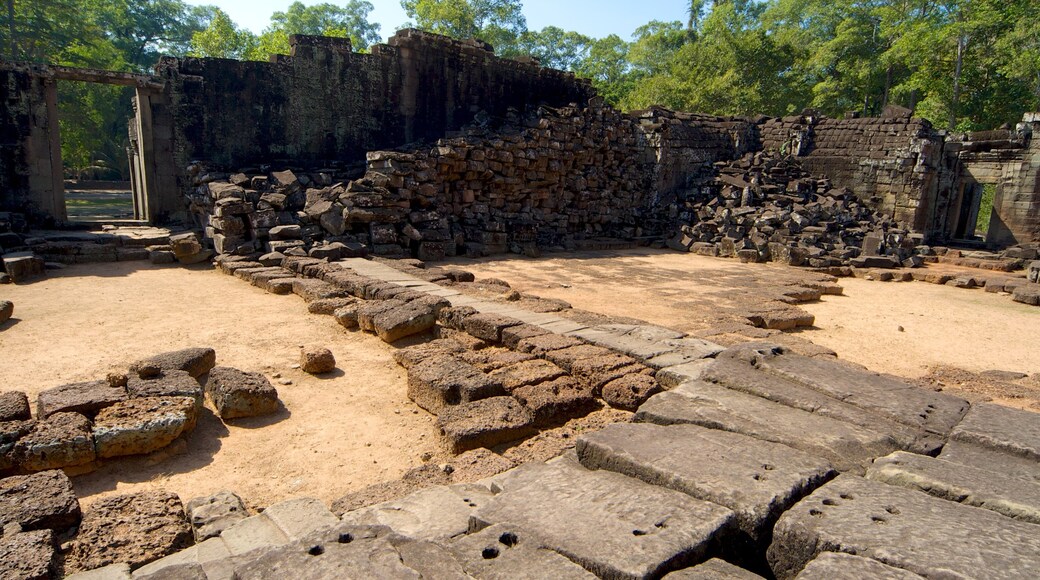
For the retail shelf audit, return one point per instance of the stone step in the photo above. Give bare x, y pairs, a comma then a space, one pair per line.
507, 552
906, 529
848, 447
1012, 431
756, 479
434, 513
997, 491
838, 566
991, 460
613, 525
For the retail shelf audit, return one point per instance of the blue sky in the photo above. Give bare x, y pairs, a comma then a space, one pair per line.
596, 18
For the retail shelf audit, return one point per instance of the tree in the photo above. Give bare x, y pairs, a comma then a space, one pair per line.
555, 47
350, 21
607, 66
498, 22
222, 39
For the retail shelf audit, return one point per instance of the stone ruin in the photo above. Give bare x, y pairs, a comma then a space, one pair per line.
347, 167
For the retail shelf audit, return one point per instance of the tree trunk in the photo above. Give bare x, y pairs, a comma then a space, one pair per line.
962, 40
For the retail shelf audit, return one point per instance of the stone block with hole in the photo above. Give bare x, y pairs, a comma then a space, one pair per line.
612, 525
756, 479
484, 423
442, 381
1014, 497
237, 394
142, 425
434, 513
506, 551
848, 447
903, 528
84, 398
489, 327
39, 501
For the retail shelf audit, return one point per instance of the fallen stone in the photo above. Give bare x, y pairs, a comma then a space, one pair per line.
1001, 428
61, 440
14, 406
525, 373
434, 513
212, 514
489, 327
39, 501
142, 425
23, 266
317, 360
1003, 375
613, 526
484, 423
194, 361
167, 384
714, 569
848, 447
903, 528
134, 528
6, 310
756, 479
444, 380
556, 401
630, 391
28, 555
411, 318
505, 551
84, 398
839, 566
1015, 498
237, 394
1027, 294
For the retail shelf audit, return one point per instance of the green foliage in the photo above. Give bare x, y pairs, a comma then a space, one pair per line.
498, 22
223, 39
989, 193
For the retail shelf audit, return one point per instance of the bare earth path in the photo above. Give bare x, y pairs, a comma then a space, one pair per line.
969, 329
338, 434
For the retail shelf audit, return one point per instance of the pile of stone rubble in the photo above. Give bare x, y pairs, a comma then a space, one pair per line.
766, 207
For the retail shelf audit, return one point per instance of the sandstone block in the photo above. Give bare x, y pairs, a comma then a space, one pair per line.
542, 344
347, 316
84, 398
567, 357
484, 423
43, 500
212, 514
329, 306
506, 551
434, 513
1001, 428
311, 289
714, 569
512, 335
410, 356
142, 425
238, 394
991, 460
369, 309
840, 566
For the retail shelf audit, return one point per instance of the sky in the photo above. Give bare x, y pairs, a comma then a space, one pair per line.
595, 18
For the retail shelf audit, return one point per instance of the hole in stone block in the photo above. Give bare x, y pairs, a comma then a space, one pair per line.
878, 520
829, 502
892, 510
768, 467
638, 533
508, 539
316, 550
846, 496
489, 553
816, 513
345, 538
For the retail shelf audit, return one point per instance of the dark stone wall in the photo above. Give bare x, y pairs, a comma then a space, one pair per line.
25, 157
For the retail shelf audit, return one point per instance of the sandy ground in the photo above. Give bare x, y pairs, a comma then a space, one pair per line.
969, 329
336, 435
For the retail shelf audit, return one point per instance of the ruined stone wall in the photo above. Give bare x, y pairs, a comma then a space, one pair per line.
326, 103
30, 175
892, 164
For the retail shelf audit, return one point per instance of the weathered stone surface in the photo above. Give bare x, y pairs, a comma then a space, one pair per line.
61, 440
415, 354
329, 306
167, 384
568, 357
673, 376
544, 343
445, 380
484, 423
714, 569
369, 309
6, 310
119, 571
504, 552
524, 373
997, 491
412, 318
512, 335
1001, 428
991, 460
311, 289
614, 526
347, 316
238, 394
10, 433
28, 556
208, 559
494, 358
143, 425
14, 406
39, 501
741, 376
454, 317
317, 360
489, 327
630, 391
212, 514
756, 479
556, 401
839, 566
846, 446
903, 528
84, 398
135, 528
434, 513
194, 361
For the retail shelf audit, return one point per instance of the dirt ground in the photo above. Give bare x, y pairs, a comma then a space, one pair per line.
337, 434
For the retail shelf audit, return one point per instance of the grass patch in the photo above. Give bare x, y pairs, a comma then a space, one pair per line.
989, 192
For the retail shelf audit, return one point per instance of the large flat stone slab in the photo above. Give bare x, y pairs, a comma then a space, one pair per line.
906, 529
1010, 496
741, 376
991, 460
503, 552
714, 569
1004, 429
756, 479
848, 447
838, 566
433, 513
614, 526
